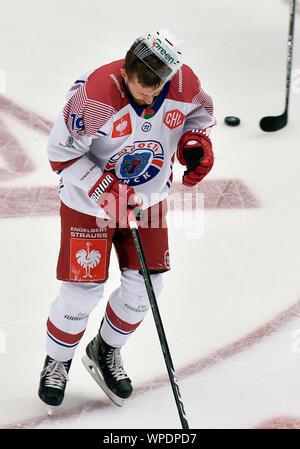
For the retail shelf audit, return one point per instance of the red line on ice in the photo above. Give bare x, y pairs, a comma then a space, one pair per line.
44, 201
17, 159
25, 116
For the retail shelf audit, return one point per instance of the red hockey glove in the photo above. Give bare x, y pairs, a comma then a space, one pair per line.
115, 197
195, 152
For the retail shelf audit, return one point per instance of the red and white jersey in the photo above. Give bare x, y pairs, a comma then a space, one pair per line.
102, 129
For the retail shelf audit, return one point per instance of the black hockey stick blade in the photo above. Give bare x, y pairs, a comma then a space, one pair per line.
273, 123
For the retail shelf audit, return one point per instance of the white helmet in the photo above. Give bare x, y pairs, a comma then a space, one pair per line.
163, 44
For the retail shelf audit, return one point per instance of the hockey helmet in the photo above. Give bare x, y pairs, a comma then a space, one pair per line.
165, 46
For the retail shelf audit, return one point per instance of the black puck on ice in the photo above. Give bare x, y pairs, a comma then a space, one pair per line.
232, 121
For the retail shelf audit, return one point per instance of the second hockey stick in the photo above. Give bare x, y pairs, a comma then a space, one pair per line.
158, 322
274, 123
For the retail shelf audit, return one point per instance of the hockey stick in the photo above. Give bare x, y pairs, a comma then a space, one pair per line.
275, 123
158, 322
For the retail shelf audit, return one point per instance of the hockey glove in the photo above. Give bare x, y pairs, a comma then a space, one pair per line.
115, 197
195, 152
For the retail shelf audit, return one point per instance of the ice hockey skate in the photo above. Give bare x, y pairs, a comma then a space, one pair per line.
105, 365
54, 377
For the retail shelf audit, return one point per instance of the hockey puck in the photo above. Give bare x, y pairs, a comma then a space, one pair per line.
232, 121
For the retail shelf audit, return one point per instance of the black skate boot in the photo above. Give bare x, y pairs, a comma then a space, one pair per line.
105, 365
54, 377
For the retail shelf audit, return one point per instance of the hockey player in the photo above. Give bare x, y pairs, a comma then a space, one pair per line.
113, 145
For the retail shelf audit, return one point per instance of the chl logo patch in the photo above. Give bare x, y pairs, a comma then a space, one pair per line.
122, 127
88, 260
174, 118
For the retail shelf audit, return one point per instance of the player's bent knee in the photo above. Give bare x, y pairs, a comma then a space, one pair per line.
133, 284
81, 295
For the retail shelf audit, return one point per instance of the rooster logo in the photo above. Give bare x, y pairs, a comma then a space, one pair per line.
88, 259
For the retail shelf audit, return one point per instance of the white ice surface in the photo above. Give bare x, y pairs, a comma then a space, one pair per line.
241, 274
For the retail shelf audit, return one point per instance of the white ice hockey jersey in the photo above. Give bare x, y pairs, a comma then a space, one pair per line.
101, 128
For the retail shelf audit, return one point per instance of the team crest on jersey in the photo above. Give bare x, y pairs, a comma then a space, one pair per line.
122, 127
137, 163
174, 118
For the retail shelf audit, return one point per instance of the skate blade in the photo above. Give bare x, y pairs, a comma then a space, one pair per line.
49, 410
97, 376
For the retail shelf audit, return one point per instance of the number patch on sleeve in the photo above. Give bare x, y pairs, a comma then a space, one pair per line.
77, 123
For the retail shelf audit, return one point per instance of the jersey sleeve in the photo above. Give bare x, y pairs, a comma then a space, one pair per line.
202, 117
87, 110
187, 88
85, 113
69, 157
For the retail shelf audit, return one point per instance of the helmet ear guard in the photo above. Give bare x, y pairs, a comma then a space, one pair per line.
165, 46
